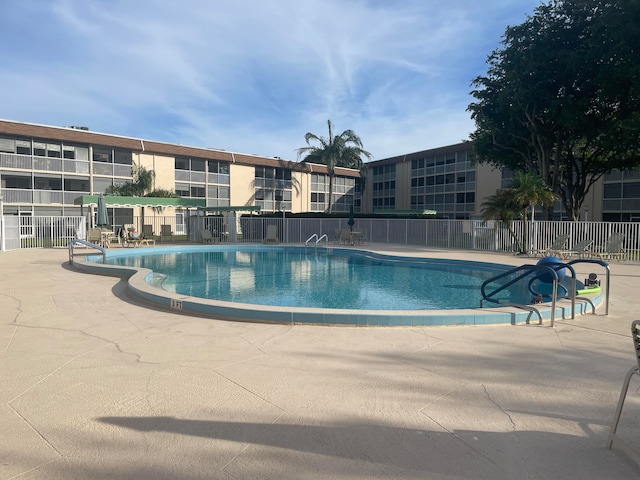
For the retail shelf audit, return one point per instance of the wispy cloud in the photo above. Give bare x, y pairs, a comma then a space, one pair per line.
252, 76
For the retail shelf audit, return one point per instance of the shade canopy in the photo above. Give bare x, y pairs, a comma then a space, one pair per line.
117, 201
240, 208
405, 212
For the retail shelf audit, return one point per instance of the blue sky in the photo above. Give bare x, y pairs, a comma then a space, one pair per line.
252, 76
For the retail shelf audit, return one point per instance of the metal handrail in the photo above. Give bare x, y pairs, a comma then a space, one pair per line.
527, 270
315, 235
324, 235
86, 244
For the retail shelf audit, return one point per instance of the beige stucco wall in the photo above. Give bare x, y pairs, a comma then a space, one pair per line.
300, 192
403, 186
164, 166
488, 180
242, 184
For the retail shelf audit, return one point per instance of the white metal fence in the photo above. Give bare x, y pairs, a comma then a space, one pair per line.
51, 231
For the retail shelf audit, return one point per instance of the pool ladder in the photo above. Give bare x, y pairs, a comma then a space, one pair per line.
79, 241
318, 239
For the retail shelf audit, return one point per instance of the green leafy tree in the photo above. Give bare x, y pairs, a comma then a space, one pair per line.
344, 150
561, 98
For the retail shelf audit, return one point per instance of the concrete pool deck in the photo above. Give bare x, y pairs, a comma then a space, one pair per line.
95, 385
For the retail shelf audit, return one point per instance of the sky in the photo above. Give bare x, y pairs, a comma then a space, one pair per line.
252, 76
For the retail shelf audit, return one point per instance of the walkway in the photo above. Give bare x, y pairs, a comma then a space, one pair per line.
94, 385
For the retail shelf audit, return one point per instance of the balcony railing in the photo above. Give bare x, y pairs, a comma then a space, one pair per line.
27, 196
10, 160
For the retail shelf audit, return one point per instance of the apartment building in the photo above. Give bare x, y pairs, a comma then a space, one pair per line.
447, 180
44, 169
443, 179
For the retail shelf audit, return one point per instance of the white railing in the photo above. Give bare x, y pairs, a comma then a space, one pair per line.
451, 234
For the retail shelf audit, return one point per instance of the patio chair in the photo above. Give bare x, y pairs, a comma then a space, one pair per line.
580, 250
165, 231
272, 234
635, 370
345, 236
94, 235
206, 237
557, 245
614, 248
147, 231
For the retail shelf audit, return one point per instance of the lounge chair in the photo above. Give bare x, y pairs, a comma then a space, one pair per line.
558, 245
127, 240
580, 250
272, 234
614, 248
206, 237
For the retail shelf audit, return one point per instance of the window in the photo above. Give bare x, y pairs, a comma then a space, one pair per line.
273, 188
613, 190
47, 183
76, 184
7, 145
198, 165
631, 190
197, 191
123, 157
39, 149
100, 154
182, 163
23, 147
16, 181
54, 151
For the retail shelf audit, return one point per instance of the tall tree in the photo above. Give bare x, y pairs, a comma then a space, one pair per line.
344, 150
561, 98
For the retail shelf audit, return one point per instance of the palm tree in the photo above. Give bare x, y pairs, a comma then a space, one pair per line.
141, 186
529, 191
344, 150
502, 206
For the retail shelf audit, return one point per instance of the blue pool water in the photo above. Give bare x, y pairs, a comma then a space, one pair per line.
333, 278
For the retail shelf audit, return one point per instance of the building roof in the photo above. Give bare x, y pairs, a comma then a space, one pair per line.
80, 135
421, 154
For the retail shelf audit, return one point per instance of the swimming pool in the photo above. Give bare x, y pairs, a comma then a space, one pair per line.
339, 278
235, 276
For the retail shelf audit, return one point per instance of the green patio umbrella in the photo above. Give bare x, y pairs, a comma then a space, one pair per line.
351, 220
102, 217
